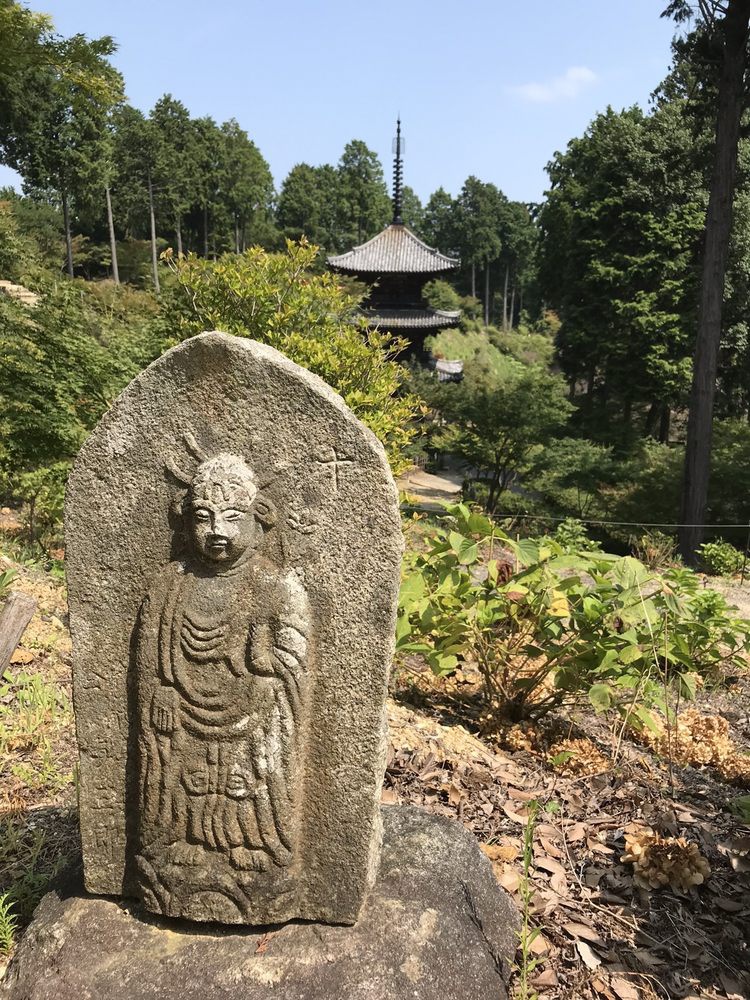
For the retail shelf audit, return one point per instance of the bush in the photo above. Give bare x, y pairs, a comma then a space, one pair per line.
547, 628
276, 299
655, 549
440, 295
473, 347
720, 558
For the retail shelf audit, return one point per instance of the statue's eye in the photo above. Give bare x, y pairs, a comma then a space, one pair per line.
232, 515
201, 515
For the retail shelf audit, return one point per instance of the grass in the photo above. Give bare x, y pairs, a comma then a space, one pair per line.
38, 823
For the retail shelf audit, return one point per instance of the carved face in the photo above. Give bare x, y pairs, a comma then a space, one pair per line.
221, 519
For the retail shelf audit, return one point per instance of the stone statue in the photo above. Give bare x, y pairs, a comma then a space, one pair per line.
222, 664
233, 549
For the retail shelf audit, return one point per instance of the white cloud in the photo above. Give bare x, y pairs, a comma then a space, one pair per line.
560, 88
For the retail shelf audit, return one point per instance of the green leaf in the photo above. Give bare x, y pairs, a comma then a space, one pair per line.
600, 697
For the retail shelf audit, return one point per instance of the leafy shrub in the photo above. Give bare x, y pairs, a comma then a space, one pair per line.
720, 558
474, 348
655, 549
545, 627
571, 536
440, 295
276, 299
494, 425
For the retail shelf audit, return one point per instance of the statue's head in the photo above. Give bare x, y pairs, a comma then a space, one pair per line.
225, 514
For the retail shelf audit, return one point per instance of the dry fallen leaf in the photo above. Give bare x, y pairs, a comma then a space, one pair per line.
500, 852
624, 989
22, 656
582, 931
509, 880
590, 959
546, 978
540, 945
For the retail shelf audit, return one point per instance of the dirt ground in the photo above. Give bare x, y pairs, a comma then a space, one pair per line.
601, 933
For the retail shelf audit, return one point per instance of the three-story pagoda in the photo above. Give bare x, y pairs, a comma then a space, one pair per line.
396, 265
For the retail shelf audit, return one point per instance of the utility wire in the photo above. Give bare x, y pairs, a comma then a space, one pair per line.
622, 524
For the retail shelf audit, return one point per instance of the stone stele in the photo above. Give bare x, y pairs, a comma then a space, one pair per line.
233, 551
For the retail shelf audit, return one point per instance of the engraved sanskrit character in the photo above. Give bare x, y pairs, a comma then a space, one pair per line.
222, 662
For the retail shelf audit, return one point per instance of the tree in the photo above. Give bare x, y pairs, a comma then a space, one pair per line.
730, 34
363, 197
276, 299
495, 423
308, 205
440, 224
55, 95
208, 153
620, 229
519, 240
412, 213
480, 216
136, 157
245, 181
174, 161
30, 43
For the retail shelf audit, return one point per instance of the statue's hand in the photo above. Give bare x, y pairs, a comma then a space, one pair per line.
164, 710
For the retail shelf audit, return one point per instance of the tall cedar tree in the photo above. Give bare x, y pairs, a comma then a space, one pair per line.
731, 36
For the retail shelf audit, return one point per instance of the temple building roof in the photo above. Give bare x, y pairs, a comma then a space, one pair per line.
411, 319
395, 250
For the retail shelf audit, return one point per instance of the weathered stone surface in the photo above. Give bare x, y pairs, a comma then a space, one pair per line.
436, 926
233, 548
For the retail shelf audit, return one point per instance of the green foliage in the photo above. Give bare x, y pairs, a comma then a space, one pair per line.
720, 558
656, 549
546, 627
473, 347
8, 924
621, 229
526, 933
274, 298
494, 424
571, 536
571, 475
6, 579
438, 294
524, 345
364, 205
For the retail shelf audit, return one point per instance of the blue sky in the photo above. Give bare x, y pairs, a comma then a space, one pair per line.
484, 87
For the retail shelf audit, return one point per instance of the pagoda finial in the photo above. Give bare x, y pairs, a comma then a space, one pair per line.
398, 172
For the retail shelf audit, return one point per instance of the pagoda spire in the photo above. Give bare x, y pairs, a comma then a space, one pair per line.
398, 173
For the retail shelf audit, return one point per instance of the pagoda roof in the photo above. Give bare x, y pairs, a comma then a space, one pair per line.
412, 319
395, 250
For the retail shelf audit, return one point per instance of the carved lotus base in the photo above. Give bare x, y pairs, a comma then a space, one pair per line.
186, 881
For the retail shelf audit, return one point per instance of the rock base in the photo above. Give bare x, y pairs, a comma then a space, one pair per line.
436, 926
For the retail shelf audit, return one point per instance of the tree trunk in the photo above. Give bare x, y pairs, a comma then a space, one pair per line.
205, 231
718, 229
112, 239
152, 217
512, 303
487, 293
178, 235
664, 422
505, 299
68, 238
473, 280
653, 411
236, 234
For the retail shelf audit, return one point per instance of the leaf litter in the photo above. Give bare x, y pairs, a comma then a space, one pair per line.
605, 933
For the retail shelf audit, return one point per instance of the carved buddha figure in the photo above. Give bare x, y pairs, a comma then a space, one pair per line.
222, 662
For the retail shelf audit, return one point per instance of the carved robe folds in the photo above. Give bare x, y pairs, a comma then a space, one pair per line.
222, 662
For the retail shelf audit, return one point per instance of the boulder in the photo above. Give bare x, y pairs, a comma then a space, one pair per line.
435, 926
